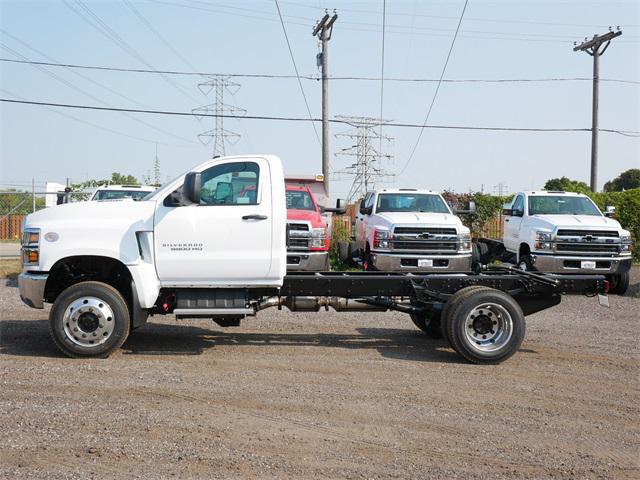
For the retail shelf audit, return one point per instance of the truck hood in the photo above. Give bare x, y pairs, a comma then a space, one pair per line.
92, 228
306, 216
573, 221
406, 218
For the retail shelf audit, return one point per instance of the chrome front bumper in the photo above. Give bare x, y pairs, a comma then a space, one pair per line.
409, 262
308, 261
31, 286
572, 264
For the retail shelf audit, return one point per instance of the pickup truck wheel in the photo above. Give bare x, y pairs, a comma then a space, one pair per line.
89, 319
487, 326
619, 283
428, 324
453, 301
526, 263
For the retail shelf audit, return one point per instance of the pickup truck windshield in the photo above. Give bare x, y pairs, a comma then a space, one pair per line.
411, 202
299, 200
561, 205
119, 194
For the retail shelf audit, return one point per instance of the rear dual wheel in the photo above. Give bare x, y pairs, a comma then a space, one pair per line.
483, 324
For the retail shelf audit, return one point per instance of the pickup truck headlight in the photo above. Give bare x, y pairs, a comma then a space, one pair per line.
625, 238
381, 238
30, 242
544, 240
464, 241
318, 237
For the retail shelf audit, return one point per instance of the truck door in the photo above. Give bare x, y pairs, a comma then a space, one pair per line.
512, 224
360, 221
227, 238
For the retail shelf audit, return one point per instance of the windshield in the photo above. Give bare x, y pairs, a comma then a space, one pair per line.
561, 205
119, 194
411, 202
299, 200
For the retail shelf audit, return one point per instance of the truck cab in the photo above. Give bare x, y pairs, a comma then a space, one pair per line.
565, 232
308, 234
409, 229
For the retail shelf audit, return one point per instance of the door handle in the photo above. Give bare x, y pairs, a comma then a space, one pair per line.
506, 219
254, 217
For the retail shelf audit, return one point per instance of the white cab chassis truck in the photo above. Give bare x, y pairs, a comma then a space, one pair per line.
563, 232
411, 230
199, 248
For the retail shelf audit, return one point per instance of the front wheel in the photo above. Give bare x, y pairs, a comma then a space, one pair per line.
89, 319
619, 283
487, 326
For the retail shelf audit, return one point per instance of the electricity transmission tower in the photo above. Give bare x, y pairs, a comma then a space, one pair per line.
593, 48
219, 136
501, 189
364, 135
156, 169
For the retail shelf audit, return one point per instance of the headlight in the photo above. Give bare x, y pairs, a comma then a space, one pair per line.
464, 241
30, 241
381, 238
544, 240
625, 238
318, 237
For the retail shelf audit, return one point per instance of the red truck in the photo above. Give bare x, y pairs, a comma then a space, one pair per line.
308, 235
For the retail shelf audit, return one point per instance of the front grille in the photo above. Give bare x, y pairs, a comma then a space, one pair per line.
299, 227
424, 246
584, 233
298, 236
586, 248
422, 230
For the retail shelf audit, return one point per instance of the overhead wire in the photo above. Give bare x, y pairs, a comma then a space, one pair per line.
295, 67
384, 21
435, 94
317, 77
304, 119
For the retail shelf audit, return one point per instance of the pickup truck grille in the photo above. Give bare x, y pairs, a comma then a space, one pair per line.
584, 233
298, 236
424, 246
424, 239
587, 248
422, 230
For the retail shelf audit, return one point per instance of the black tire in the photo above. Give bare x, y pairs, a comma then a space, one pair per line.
100, 330
429, 324
367, 264
526, 263
453, 301
486, 327
619, 283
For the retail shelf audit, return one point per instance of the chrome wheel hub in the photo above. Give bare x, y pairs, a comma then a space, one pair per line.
88, 321
488, 327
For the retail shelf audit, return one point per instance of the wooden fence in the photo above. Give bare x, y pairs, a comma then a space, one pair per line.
10, 227
493, 228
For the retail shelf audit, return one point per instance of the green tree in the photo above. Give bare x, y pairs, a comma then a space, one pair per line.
625, 181
565, 184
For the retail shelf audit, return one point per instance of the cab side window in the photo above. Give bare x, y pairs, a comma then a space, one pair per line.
230, 184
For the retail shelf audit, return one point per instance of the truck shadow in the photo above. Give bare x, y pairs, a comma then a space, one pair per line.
31, 338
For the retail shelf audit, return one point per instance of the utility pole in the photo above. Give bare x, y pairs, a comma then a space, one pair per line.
367, 167
219, 84
323, 30
592, 47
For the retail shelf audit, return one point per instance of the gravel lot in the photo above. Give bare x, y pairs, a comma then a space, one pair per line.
323, 395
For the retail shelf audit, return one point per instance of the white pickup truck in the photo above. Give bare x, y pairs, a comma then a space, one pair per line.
409, 229
562, 232
199, 247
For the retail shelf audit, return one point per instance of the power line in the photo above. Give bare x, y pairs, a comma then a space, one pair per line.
300, 119
295, 67
87, 94
435, 94
316, 77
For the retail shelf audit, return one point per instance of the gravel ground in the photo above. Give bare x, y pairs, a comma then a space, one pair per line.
323, 395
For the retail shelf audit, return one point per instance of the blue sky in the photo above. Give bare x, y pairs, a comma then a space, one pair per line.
498, 39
